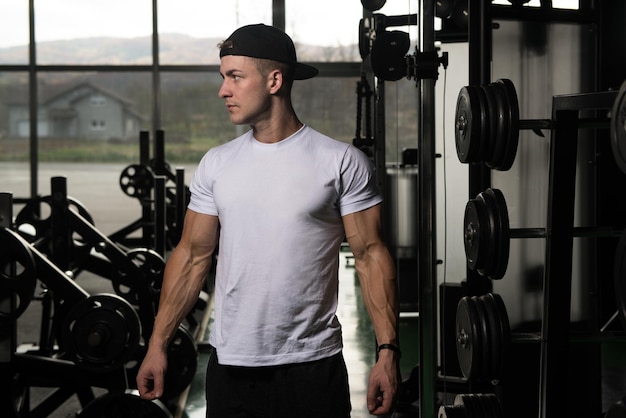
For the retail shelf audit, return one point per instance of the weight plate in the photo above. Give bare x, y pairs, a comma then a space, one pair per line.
467, 128
474, 401
619, 278
137, 180
34, 224
510, 150
618, 128
124, 405
468, 343
485, 339
182, 362
493, 402
475, 238
498, 212
485, 125
503, 123
101, 333
151, 264
18, 274
490, 234
468, 406
452, 411
495, 339
505, 328
495, 119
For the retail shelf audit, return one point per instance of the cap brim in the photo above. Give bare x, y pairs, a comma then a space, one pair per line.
304, 71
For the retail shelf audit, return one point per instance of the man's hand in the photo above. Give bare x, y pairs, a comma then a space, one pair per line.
383, 384
151, 374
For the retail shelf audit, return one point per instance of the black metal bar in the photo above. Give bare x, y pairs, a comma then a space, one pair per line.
8, 332
144, 148
61, 231
159, 152
33, 101
427, 257
579, 232
160, 207
181, 202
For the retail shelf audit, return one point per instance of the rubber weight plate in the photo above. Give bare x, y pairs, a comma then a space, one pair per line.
490, 231
467, 128
618, 128
498, 213
496, 119
468, 340
495, 339
475, 237
182, 359
485, 339
505, 328
512, 138
124, 405
101, 333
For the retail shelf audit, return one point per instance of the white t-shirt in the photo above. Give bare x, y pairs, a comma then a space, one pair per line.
280, 207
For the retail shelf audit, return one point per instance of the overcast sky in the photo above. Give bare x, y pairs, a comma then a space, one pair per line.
322, 22
69, 19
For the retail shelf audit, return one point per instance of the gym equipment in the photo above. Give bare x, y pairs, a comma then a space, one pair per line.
487, 124
618, 128
483, 334
17, 274
182, 358
162, 215
101, 333
388, 50
473, 405
484, 338
124, 404
486, 233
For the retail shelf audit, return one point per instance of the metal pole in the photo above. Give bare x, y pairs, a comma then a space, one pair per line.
32, 80
427, 239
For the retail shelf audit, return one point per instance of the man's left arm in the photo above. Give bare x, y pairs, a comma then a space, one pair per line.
377, 276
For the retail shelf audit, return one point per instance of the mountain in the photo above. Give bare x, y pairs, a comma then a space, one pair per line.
176, 49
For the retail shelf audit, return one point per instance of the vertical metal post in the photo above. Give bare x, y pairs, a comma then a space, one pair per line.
32, 82
427, 239
160, 207
480, 52
8, 328
156, 75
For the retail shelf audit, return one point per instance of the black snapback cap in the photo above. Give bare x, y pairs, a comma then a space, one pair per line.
266, 42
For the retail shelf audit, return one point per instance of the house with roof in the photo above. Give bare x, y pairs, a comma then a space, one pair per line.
82, 111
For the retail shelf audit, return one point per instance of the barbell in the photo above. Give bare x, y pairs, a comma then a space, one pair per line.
484, 337
486, 233
487, 124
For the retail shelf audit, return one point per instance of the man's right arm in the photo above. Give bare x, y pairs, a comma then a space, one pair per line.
183, 279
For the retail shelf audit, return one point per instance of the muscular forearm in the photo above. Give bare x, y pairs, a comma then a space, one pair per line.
183, 279
376, 273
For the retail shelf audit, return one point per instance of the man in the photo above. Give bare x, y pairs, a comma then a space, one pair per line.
280, 199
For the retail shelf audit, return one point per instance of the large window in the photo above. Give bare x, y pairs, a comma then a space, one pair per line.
99, 76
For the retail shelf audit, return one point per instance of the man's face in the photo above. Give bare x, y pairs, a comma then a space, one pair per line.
245, 90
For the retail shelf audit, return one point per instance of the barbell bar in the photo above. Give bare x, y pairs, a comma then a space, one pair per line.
486, 234
487, 124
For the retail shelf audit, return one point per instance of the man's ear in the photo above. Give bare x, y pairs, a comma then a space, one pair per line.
275, 81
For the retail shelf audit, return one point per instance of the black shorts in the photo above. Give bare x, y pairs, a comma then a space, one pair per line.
317, 389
